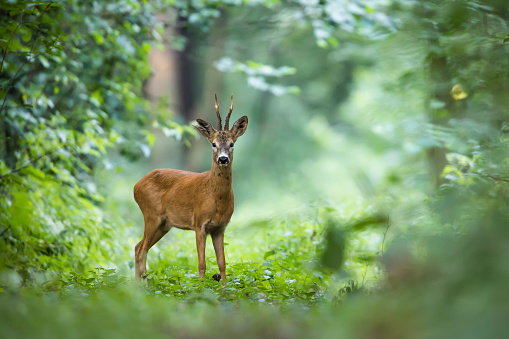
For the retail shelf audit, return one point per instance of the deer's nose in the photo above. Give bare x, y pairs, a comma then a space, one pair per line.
223, 159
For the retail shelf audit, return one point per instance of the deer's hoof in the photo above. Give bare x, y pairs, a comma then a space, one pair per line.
216, 277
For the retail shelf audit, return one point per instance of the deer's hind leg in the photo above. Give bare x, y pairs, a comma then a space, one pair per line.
154, 230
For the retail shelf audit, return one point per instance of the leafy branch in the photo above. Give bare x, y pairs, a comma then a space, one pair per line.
24, 166
5, 230
16, 75
13, 79
497, 178
8, 42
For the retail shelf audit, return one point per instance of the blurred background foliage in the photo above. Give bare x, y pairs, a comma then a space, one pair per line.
371, 185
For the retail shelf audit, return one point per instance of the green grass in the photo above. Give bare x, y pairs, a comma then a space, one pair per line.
454, 287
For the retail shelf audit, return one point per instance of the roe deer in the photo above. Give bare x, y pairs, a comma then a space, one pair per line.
201, 202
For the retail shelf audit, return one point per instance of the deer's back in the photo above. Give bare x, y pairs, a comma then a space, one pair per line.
167, 188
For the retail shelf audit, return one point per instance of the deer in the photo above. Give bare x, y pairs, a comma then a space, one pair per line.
200, 202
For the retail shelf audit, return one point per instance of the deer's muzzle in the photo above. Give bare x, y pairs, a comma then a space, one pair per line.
223, 160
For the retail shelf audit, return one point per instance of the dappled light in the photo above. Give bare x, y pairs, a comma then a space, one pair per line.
371, 182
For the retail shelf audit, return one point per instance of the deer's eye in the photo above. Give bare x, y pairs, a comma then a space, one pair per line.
231, 145
214, 144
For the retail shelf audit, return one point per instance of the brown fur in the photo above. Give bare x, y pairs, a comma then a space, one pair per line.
201, 202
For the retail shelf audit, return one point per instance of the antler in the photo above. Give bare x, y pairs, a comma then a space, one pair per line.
227, 121
219, 127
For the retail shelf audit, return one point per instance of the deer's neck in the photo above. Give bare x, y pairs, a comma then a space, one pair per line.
221, 179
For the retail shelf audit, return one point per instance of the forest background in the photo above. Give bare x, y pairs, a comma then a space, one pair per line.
371, 184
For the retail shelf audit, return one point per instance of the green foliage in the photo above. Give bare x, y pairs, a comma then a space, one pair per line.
70, 77
257, 74
393, 157
276, 262
458, 289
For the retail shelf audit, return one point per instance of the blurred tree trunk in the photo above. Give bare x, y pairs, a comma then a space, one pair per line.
443, 65
438, 116
212, 82
441, 104
189, 80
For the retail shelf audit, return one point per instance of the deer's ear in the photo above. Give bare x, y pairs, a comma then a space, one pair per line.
204, 128
239, 127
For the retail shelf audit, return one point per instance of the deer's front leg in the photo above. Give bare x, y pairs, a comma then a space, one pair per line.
201, 237
218, 242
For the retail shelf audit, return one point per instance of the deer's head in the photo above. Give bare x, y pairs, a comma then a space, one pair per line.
222, 140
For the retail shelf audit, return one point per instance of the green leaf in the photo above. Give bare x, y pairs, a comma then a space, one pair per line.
150, 138
26, 34
44, 61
